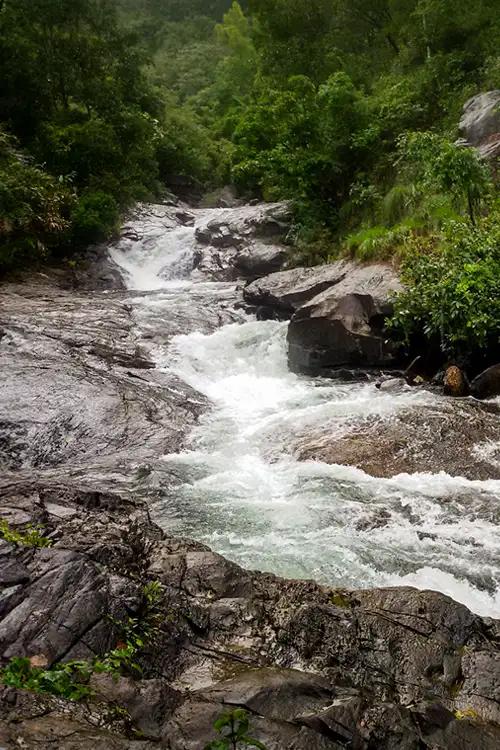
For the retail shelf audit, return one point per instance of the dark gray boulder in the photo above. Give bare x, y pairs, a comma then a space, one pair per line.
487, 384
343, 326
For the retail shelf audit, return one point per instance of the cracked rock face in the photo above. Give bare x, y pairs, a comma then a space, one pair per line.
480, 123
243, 242
315, 668
79, 391
287, 291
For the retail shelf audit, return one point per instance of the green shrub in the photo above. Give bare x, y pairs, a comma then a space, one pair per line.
437, 165
64, 680
452, 287
34, 207
377, 243
82, 148
94, 218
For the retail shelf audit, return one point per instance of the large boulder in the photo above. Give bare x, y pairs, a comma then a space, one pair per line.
487, 384
284, 292
242, 242
260, 259
344, 325
480, 123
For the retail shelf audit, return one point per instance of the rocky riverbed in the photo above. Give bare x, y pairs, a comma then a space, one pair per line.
315, 667
142, 402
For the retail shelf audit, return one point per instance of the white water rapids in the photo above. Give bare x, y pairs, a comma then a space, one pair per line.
244, 493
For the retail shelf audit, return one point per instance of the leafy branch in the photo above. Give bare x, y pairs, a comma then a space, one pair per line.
233, 727
30, 536
71, 679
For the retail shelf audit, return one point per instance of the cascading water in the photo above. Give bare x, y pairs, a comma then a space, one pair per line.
244, 493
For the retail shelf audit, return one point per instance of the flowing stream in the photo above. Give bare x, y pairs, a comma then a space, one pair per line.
242, 489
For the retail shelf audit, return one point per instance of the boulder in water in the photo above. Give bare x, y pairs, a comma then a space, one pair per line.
242, 242
343, 326
487, 384
391, 385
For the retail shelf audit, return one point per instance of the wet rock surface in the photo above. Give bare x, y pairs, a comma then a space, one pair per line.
480, 123
242, 242
487, 384
457, 439
79, 393
87, 414
315, 667
227, 244
286, 291
343, 326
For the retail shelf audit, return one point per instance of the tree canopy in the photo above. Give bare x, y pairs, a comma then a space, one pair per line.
347, 107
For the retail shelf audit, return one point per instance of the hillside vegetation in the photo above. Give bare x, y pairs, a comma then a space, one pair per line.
347, 107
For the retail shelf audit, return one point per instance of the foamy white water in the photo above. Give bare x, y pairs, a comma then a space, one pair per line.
243, 492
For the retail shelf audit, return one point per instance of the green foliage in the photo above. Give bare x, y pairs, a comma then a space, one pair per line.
233, 726
136, 633
438, 165
451, 287
377, 242
186, 148
29, 536
302, 142
34, 207
94, 217
90, 124
70, 680
64, 680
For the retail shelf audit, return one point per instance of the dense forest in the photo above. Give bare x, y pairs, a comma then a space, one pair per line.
349, 108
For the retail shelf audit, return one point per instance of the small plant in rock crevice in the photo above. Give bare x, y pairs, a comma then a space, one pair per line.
71, 679
233, 728
30, 536
63, 680
135, 539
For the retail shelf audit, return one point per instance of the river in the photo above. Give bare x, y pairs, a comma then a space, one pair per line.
240, 486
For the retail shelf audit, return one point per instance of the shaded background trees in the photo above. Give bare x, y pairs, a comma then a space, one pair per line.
116, 99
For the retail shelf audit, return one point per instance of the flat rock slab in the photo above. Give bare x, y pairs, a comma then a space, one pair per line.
286, 291
79, 390
457, 438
